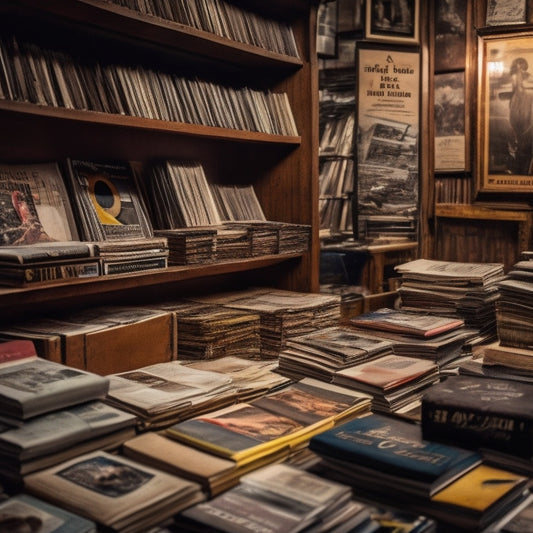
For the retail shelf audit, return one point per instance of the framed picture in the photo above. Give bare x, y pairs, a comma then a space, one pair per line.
505, 113
450, 39
387, 158
503, 12
450, 122
392, 20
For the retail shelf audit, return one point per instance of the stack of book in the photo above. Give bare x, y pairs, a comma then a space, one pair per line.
321, 353
514, 309
190, 246
447, 483
114, 491
464, 290
283, 314
51, 412
279, 499
52, 438
395, 382
31, 265
444, 340
285, 419
488, 414
207, 331
164, 393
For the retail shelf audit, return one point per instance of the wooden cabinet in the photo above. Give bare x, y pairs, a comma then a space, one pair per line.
283, 169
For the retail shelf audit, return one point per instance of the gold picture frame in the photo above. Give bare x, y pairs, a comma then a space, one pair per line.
505, 113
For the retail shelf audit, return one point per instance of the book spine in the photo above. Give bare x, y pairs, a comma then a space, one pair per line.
16, 350
473, 429
134, 266
45, 274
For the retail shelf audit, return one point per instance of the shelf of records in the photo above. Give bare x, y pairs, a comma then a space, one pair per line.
301, 425
36, 78
89, 219
216, 26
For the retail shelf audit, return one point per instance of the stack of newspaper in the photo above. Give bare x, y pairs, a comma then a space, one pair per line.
283, 314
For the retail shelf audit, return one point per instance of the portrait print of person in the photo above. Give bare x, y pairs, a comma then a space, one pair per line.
511, 117
106, 476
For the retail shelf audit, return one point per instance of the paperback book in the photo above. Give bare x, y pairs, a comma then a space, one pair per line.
31, 386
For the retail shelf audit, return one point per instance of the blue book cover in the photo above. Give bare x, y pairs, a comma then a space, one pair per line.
393, 446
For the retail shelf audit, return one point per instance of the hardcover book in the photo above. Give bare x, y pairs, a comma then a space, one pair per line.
23, 512
375, 451
114, 491
480, 412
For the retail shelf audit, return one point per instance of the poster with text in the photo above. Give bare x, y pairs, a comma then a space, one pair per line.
388, 120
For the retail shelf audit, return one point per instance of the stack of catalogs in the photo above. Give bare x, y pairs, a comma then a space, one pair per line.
321, 353
190, 246
234, 241
283, 314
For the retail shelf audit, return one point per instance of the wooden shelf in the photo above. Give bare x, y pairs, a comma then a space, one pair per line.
153, 125
30, 298
129, 23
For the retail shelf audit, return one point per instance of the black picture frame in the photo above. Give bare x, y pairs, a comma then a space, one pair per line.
394, 21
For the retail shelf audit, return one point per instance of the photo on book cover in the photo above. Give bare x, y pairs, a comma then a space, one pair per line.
34, 205
106, 476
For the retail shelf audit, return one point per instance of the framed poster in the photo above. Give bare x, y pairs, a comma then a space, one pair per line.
388, 123
392, 20
502, 12
505, 113
450, 41
450, 122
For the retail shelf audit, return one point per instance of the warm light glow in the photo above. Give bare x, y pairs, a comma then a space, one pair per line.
495, 69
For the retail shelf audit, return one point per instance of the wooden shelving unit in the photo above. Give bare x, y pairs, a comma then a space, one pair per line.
283, 169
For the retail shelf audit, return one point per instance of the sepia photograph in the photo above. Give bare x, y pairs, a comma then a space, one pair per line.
506, 113
392, 20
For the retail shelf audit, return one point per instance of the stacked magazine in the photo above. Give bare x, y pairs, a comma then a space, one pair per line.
464, 290
321, 353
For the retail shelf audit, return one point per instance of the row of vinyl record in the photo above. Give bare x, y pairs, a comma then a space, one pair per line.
222, 18
133, 214
45, 76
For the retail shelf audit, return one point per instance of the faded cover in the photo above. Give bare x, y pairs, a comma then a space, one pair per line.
24, 510
393, 446
480, 412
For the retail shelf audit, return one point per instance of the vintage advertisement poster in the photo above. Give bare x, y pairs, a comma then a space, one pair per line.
388, 144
